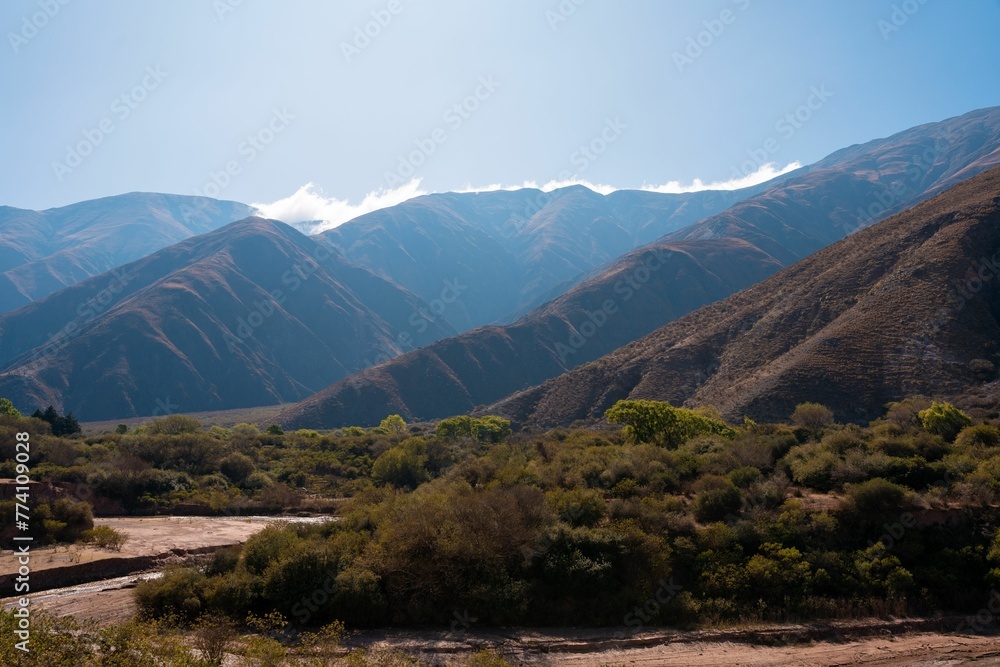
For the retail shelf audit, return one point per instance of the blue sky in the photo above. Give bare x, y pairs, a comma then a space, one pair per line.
255, 101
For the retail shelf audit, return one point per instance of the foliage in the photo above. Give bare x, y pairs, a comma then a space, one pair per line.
61, 425
813, 416
105, 537
7, 408
403, 466
662, 423
945, 420
488, 428
391, 425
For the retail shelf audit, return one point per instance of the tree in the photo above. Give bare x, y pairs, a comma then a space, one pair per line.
121, 429
7, 408
455, 427
392, 425
944, 419
67, 425
173, 425
490, 429
237, 467
403, 466
662, 423
813, 416
274, 429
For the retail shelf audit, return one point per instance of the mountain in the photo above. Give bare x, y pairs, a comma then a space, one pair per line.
251, 314
45, 251
512, 250
701, 263
909, 306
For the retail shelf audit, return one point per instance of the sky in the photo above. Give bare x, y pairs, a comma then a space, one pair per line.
325, 110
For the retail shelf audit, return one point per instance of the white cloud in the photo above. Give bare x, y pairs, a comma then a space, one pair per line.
762, 175
545, 187
309, 210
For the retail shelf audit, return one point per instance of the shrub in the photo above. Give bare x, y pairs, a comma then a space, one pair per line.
173, 425
223, 561
982, 435
7, 408
391, 425
401, 467
106, 537
179, 592
877, 496
237, 467
258, 480
944, 419
717, 500
813, 416
358, 597
579, 507
660, 422
268, 546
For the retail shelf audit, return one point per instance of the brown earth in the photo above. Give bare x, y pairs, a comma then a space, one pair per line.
152, 542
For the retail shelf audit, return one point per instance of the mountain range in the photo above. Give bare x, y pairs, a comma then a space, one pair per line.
695, 266
253, 313
541, 305
909, 306
45, 251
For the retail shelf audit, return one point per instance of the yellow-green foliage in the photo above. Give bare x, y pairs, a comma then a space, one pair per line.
661, 423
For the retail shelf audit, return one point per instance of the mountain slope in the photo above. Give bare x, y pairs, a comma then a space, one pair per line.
905, 307
456, 374
707, 261
512, 249
254, 313
44, 251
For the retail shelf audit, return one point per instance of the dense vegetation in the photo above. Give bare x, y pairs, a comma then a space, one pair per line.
676, 519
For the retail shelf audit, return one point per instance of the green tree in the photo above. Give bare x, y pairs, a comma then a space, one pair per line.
173, 425
659, 422
813, 416
237, 467
944, 419
392, 425
490, 429
7, 408
403, 466
455, 427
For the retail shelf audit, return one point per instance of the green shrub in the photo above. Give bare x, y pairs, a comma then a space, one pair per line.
659, 422
180, 592
268, 546
813, 416
403, 467
237, 467
105, 537
945, 420
716, 500
877, 497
